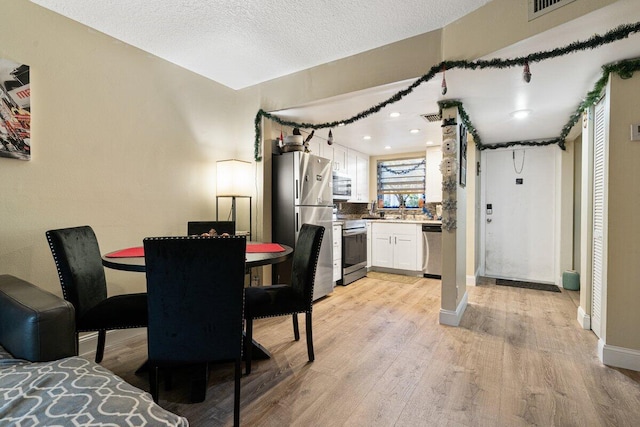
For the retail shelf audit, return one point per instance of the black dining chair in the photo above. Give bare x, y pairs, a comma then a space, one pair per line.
293, 298
198, 227
196, 300
76, 254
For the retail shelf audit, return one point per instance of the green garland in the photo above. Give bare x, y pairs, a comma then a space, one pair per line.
624, 69
619, 33
401, 172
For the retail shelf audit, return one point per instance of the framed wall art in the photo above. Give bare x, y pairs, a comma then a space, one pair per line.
463, 155
15, 110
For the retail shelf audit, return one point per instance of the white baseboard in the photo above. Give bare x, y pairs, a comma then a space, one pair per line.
88, 341
452, 318
584, 319
618, 357
471, 280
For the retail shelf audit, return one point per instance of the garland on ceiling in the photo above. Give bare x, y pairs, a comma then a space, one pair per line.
619, 33
624, 69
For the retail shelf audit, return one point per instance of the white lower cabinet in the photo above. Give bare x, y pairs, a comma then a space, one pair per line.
396, 246
369, 238
337, 252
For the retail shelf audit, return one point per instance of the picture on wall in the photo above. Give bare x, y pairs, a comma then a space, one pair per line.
15, 110
463, 155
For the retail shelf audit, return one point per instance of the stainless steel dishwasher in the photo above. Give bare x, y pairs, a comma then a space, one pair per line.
432, 250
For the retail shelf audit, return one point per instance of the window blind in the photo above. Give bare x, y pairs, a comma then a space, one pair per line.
404, 176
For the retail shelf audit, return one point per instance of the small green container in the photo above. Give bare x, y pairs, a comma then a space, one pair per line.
571, 280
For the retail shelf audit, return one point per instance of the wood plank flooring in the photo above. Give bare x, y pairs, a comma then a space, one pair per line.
518, 358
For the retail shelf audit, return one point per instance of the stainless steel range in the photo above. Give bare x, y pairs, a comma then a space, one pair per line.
354, 251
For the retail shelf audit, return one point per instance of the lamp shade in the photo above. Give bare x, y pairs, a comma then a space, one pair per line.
234, 178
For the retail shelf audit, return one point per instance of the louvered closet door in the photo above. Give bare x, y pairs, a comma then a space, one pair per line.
599, 171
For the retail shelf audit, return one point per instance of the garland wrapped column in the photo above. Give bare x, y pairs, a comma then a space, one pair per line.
449, 169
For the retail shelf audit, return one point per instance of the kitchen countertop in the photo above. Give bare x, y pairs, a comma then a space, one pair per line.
394, 220
407, 221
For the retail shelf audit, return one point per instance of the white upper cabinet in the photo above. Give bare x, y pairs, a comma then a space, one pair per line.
358, 170
339, 158
319, 147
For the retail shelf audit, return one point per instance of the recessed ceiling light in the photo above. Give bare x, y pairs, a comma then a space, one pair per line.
366, 137
520, 114
394, 114
387, 147
414, 130
429, 142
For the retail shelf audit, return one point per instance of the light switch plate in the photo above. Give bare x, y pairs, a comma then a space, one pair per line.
635, 132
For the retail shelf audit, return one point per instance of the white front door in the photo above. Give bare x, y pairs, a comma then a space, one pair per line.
519, 213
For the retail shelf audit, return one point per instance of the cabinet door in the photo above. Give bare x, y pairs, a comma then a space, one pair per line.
404, 251
369, 239
362, 177
337, 242
340, 158
316, 147
352, 172
382, 251
337, 270
358, 170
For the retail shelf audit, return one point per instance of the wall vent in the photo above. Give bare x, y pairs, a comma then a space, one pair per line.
538, 8
431, 117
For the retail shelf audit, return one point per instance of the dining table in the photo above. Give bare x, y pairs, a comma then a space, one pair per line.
258, 254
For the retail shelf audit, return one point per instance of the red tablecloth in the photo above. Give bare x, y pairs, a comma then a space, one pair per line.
264, 247
127, 253
251, 248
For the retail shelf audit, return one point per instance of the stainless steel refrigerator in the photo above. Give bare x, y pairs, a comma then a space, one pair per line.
301, 194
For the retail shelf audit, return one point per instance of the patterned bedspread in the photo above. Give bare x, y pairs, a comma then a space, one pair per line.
73, 392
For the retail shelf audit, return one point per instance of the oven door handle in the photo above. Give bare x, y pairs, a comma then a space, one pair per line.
354, 232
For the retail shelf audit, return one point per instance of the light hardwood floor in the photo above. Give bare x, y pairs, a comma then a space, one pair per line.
518, 358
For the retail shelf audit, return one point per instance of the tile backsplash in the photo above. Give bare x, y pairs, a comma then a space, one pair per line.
348, 209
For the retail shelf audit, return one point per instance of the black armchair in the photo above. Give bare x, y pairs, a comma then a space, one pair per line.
77, 257
297, 297
196, 299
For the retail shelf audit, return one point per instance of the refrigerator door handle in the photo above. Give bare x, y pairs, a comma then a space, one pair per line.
297, 192
297, 223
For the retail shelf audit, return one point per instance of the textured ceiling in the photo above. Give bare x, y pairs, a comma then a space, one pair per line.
242, 43
489, 96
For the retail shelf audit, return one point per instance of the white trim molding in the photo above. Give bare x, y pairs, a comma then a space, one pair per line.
618, 357
584, 319
452, 318
471, 280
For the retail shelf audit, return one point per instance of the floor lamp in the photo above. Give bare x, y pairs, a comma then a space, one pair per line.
234, 179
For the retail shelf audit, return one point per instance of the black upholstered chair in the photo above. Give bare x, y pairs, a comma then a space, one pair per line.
196, 300
294, 298
77, 257
199, 227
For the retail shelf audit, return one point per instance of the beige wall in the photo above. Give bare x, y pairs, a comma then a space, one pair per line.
127, 142
121, 140
623, 242
501, 23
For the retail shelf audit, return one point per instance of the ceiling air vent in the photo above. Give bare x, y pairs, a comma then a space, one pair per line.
540, 7
432, 117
